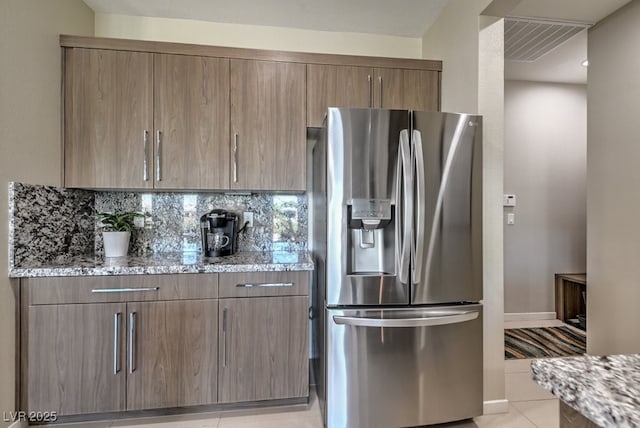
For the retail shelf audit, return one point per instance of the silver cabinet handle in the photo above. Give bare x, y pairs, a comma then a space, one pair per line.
224, 337
132, 342
158, 155
267, 284
116, 342
145, 172
235, 157
380, 87
370, 91
453, 318
124, 290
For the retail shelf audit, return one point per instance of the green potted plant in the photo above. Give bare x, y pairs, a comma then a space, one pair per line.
116, 232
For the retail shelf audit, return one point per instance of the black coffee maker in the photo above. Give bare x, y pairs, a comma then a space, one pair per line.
219, 229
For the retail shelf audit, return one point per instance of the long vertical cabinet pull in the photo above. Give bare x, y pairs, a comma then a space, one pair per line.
370, 91
116, 342
132, 342
158, 155
224, 337
380, 88
145, 172
235, 157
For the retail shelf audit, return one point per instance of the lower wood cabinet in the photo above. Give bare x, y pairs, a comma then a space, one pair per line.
73, 365
263, 348
172, 353
121, 343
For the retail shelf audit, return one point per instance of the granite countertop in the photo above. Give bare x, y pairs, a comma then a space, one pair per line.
605, 389
250, 261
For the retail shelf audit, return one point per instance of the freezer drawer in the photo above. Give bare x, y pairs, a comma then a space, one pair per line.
403, 367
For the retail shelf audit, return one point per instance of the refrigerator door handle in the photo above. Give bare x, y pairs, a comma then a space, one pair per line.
444, 319
417, 240
405, 208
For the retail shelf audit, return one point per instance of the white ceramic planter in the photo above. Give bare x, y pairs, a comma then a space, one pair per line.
116, 244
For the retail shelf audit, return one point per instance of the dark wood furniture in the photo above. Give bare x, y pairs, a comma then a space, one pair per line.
569, 299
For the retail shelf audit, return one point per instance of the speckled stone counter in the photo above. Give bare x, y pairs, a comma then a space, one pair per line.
250, 261
606, 390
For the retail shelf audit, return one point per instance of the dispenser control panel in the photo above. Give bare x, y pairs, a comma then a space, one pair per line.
379, 209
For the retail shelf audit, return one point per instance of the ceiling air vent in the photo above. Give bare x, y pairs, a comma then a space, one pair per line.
528, 39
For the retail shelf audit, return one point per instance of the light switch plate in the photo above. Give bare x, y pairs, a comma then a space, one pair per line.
511, 218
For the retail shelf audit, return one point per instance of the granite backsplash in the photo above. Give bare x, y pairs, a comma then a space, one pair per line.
49, 223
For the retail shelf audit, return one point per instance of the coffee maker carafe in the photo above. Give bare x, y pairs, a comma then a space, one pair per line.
219, 229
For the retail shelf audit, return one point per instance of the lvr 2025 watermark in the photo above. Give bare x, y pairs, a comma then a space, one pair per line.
13, 416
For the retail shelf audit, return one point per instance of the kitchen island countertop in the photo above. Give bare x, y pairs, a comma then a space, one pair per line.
169, 263
604, 389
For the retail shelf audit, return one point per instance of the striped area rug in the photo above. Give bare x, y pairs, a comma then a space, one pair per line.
542, 342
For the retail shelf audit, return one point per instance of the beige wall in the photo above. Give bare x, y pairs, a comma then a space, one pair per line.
472, 81
453, 38
613, 179
254, 36
545, 165
491, 107
29, 126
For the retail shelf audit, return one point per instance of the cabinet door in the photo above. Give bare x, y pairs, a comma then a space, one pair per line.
406, 89
336, 86
268, 128
75, 360
107, 118
263, 349
192, 116
172, 353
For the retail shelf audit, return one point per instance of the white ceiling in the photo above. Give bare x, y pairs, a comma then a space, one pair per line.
408, 18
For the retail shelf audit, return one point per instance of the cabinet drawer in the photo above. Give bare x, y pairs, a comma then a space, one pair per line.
263, 284
98, 289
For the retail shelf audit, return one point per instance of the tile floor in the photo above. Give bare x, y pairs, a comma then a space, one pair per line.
530, 406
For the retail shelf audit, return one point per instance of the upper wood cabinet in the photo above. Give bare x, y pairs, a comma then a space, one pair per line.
140, 120
108, 118
191, 116
268, 133
406, 89
142, 114
336, 86
347, 86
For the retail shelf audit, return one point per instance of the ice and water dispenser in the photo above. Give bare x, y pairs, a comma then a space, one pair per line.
371, 238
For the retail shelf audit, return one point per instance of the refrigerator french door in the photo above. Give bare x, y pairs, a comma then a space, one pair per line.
397, 241
403, 367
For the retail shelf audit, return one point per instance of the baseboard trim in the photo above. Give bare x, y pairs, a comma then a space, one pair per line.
529, 316
493, 407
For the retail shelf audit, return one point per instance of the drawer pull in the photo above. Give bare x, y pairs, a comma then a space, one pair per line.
267, 284
123, 290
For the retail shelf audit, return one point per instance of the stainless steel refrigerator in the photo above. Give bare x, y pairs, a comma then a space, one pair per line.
397, 241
